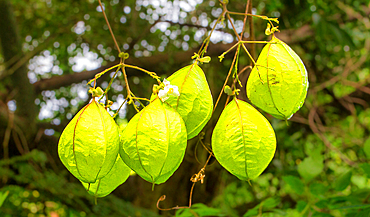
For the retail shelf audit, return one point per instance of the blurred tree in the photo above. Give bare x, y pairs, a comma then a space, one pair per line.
50, 49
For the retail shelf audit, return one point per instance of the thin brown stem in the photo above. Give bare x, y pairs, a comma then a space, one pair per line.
126, 82
234, 82
195, 178
227, 78
251, 31
245, 19
236, 33
152, 74
254, 15
110, 29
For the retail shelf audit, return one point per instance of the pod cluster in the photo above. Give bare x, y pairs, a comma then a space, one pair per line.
152, 144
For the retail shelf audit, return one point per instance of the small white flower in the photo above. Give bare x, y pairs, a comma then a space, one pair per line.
168, 90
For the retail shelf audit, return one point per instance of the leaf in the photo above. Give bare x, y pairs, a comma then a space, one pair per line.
89, 144
294, 182
367, 148
311, 166
301, 205
199, 209
3, 196
267, 204
154, 142
271, 202
118, 175
243, 141
356, 206
366, 168
318, 189
195, 103
342, 182
278, 82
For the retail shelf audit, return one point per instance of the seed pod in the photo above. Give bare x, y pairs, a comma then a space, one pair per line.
89, 145
104, 186
154, 142
195, 103
278, 82
243, 141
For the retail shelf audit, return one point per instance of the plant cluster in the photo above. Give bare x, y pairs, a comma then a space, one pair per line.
101, 154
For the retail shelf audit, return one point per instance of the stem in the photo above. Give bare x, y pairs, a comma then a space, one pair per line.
110, 29
203, 48
200, 176
251, 31
152, 74
245, 42
227, 78
126, 82
109, 85
245, 49
254, 15
115, 115
102, 73
245, 18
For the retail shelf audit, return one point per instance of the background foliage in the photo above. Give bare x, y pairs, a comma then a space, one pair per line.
49, 49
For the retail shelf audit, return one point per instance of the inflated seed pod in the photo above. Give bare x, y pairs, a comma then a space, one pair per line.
154, 142
89, 144
278, 82
195, 102
243, 141
104, 186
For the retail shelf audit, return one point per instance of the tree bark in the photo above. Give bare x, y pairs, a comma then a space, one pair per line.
23, 90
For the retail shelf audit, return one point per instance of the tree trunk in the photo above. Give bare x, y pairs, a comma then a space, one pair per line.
17, 81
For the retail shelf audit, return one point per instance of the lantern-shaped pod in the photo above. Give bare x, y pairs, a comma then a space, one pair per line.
89, 145
278, 82
195, 102
116, 176
243, 141
154, 141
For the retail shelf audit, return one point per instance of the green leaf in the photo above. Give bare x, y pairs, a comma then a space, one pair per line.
366, 168
89, 144
270, 202
311, 166
154, 142
356, 206
118, 175
278, 82
318, 189
342, 182
267, 204
295, 183
243, 141
3, 196
301, 205
195, 103
367, 148
199, 209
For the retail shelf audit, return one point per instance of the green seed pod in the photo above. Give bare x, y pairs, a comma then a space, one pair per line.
278, 82
195, 103
89, 145
154, 142
104, 186
243, 141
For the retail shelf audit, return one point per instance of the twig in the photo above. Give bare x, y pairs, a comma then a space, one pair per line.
227, 78
195, 178
251, 31
110, 29
327, 143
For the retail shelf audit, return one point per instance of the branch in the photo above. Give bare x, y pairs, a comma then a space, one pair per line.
153, 63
